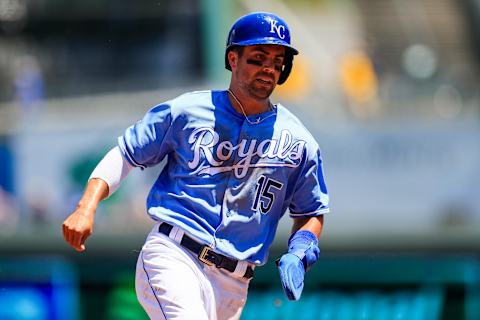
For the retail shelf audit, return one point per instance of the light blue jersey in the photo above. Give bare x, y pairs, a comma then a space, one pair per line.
227, 181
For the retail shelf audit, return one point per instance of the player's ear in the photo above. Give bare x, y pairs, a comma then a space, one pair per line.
232, 58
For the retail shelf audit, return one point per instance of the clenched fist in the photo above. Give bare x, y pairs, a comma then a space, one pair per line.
77, 228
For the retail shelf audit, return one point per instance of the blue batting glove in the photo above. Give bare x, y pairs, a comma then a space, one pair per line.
292, 273
302, 253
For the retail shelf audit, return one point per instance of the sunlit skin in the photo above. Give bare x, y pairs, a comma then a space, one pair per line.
255, 73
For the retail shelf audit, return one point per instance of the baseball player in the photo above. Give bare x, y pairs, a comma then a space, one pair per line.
236, 164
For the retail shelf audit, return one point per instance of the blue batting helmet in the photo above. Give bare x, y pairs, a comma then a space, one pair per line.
262, 28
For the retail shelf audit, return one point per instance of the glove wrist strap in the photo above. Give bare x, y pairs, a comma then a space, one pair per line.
301, 255
304, 245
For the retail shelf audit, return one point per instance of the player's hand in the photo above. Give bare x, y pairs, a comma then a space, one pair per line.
77, 228
292, 273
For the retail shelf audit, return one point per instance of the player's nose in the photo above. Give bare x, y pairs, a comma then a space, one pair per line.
268, 66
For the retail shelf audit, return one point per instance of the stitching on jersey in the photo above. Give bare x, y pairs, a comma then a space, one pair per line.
322, 210
130, 157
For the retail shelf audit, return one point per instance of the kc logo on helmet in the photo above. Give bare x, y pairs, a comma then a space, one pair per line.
279, 30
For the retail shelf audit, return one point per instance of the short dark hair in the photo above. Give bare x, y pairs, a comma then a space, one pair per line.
239, 50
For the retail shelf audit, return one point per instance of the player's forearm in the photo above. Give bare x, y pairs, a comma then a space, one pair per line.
95, 192
79, 225
312, 224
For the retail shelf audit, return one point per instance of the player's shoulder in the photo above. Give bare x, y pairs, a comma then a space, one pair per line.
185, 103
188, 101
193, 95
295, 125
191, 98
288, 115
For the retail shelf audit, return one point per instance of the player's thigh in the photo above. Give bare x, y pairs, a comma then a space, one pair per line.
146, 295
170, 283
230, 293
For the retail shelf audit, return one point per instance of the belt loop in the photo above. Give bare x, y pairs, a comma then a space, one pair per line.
240, 269
178, 235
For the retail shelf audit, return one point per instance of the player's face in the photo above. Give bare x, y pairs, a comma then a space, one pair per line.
258, 69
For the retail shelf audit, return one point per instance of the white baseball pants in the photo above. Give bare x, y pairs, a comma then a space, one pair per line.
171, 283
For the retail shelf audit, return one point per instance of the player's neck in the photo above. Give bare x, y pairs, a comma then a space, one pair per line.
251, 105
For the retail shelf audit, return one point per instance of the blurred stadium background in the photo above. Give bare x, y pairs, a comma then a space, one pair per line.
390, 88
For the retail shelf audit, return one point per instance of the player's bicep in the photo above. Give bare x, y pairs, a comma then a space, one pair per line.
147, 142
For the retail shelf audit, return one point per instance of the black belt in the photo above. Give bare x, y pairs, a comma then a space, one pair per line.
205, 254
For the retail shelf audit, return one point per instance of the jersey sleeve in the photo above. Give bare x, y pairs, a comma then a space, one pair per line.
310, 196
146, 143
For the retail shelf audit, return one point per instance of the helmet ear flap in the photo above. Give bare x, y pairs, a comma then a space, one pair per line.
287, 67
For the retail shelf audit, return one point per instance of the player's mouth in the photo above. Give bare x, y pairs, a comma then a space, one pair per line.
267, 82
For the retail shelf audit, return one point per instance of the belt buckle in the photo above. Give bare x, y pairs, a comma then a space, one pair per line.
203, 254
